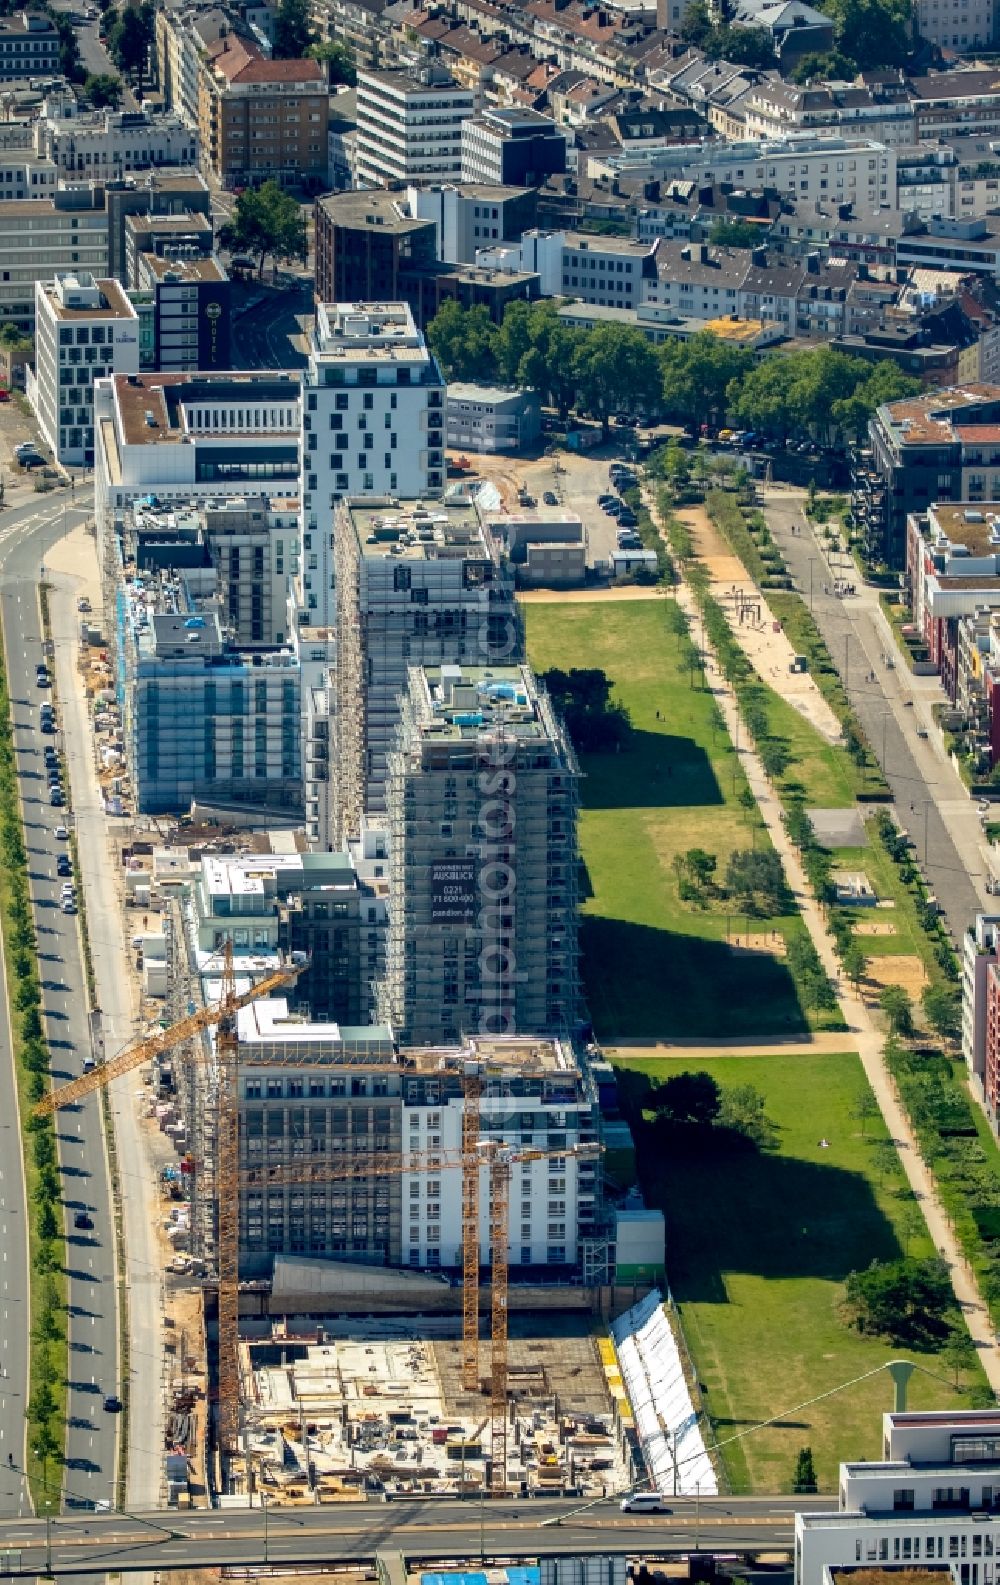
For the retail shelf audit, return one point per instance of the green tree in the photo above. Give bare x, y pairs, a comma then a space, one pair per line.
463, 341
687, 1098
337, 59
818, 67
886, 382
616, 367
103, 90
701, 866
864, 1109
874, 34
513, 340
907, 1301
959, 1351
130, 40
698, 376
42, 1402
804, 1478
48, 1222
732, 231
898, 1009
266, 222
855, 963
756, 881
885, 1159
743, 1112
942, 1010
46, 1444
293, 33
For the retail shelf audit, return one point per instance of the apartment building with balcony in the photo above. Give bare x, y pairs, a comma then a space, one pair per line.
482, 817
938, 447
418, 583
410, 127
261, 119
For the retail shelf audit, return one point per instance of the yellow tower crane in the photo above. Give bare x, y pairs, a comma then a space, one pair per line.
223, 1015
499, 1157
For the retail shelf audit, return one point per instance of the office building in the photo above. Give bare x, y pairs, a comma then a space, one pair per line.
417, 584
108, 144
364, 243
490, 419
29, 46
473, 215
618, 272
261, 119
43, 237
250, 542
85, 329
372, 424
516, 147
410, 127
482, 813
930, 1503
181, 192
178, 235
191, 311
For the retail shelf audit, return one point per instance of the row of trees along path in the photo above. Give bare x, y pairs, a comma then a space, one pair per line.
862, 1029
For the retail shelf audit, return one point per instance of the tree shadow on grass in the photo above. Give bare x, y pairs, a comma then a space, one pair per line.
655, 771
730, 1208
643, 982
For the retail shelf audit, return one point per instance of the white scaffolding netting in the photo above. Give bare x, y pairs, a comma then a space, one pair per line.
665, 1417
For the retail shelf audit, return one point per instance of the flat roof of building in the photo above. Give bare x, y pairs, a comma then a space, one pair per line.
976, 534
406, 83
416, 531
387, 211
467, 391
184, 269
114, 301
164, 396
933, 417
459, 701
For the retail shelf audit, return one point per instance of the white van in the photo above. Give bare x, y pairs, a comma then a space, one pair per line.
643, 1502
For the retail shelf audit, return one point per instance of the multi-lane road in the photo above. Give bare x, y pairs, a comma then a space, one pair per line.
88, 1477
356, 1532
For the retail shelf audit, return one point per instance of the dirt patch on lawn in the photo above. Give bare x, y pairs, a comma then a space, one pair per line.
711, 548
907, 971
874, 927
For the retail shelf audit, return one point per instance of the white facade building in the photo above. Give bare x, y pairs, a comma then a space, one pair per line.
935, 1498
112, 142
841, 169
85, 329
410, 127
372, 424
614, 272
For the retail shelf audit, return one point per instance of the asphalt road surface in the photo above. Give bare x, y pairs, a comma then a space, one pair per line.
89, 1474
855, 646
261, 336
355, 1532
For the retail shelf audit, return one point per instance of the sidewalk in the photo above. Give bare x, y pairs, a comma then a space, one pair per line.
862, 1033
71, 570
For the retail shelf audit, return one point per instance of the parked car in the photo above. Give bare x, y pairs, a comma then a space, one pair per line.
112, 1403
549, 498
61, 833
82, 1219
55, 797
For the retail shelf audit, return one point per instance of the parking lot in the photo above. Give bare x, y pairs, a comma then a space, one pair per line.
575, 479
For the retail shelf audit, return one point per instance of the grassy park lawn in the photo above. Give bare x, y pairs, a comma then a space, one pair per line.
758, 1247
653, 964
824, 771
907, 935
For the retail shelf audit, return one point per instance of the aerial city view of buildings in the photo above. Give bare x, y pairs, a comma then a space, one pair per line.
499, 751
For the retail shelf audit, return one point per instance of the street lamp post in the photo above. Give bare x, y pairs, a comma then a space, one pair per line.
263, 1503
48, 1537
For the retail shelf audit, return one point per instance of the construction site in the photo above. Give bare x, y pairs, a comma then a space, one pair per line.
334, 1379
